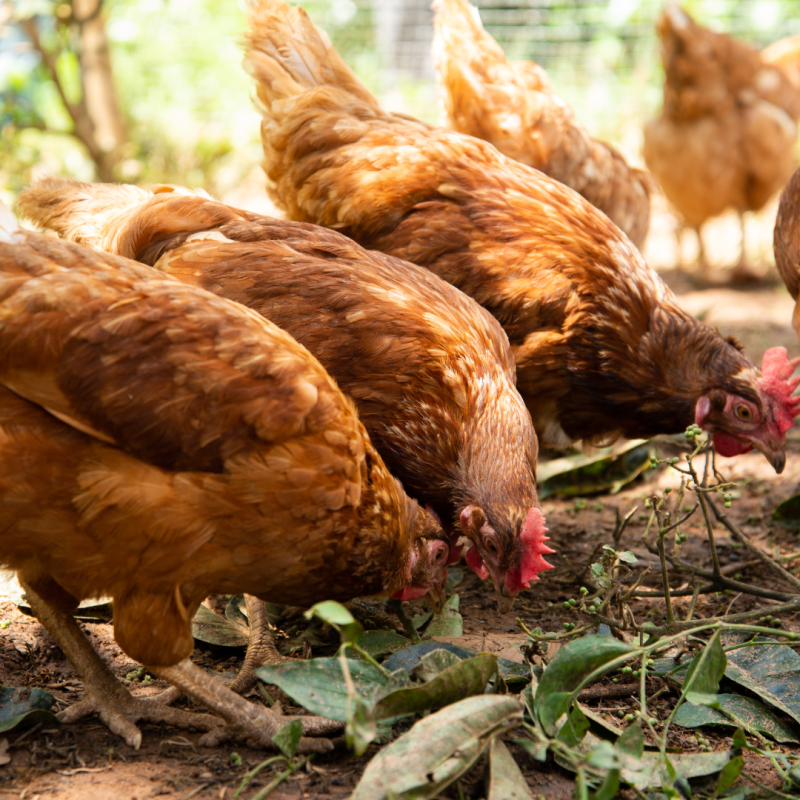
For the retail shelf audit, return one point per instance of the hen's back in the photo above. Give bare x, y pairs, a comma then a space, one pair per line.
513, 106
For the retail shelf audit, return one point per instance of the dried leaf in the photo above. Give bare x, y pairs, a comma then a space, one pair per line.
747, 711
609, 469
506, 781
213, 629
437, 750
772, 671
462, 679
408, 658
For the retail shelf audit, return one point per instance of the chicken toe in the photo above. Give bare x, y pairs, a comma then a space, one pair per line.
249, 722
104, 694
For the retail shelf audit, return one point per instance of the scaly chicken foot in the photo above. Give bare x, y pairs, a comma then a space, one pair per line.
249, 722
261, 648
104, 694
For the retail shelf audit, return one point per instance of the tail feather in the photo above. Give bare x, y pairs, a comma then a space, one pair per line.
287, 54
105, 216
88, 213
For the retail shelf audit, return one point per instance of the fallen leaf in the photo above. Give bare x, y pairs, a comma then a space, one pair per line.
609, 469
213, 629
748, 712
319, 685
24, 707
448, 623
438, 749
506, 781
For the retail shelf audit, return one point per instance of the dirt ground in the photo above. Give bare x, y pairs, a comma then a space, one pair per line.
84, 761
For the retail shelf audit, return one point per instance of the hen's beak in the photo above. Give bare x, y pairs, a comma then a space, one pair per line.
504, 603
436, 597
774, 451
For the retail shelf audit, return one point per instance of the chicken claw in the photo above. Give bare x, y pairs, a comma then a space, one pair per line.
104, 694
246, 721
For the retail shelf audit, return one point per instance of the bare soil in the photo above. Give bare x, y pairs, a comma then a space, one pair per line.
84, 761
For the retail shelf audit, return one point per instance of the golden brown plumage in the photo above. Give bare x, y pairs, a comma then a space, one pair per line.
787, 242
430, 370
513, 106
200, 449
601, 347
725, 137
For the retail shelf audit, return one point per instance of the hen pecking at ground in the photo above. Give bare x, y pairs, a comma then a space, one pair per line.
601, 347
159, 443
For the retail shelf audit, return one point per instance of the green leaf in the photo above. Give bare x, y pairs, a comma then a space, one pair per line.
730, 774
772, 671
408, 658
337, 615
419, 620
463, 679
550, 709
380, 644
448, 623
628, 557
455, 575
631, 741
574, 729
437, 750
609, 789
600, 576
787, 513
213, 629
319, 685
506, 781
609, 469
571, 665
431, 664
704, 674
646, 772
288, 737
747, 712
24, 707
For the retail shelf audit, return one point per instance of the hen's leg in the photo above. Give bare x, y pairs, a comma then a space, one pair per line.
247, 721
104, 694
261, 648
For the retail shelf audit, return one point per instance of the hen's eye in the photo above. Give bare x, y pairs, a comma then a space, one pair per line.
744, 413
491, 545
439, 555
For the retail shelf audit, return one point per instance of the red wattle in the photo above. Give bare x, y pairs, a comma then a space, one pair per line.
410, 592
729, 446
475, 563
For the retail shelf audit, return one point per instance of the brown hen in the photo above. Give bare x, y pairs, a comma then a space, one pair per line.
725, 137
601, 347
513, 106
430, 370
159, 443
787, 243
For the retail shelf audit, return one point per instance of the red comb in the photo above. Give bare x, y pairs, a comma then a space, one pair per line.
777, 382
532, 538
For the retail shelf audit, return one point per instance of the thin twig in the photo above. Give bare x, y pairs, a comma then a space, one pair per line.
744, 539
